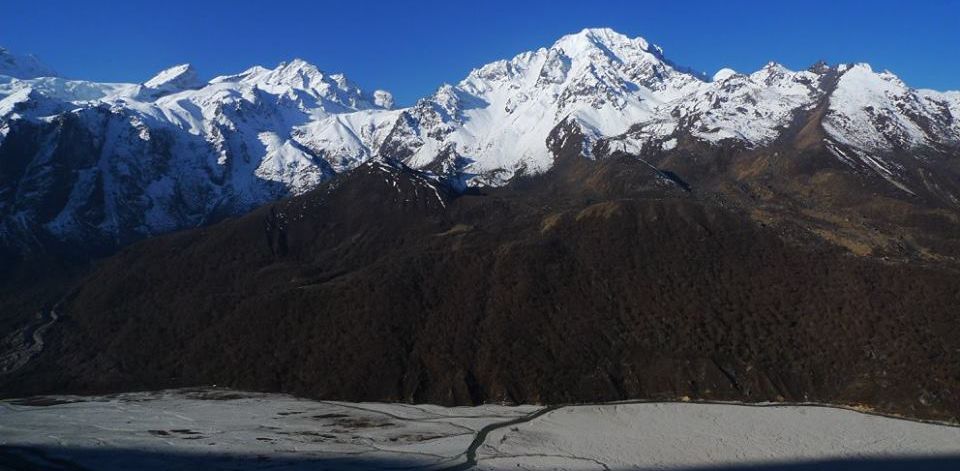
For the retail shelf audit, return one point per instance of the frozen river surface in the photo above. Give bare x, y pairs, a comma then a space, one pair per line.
220, 430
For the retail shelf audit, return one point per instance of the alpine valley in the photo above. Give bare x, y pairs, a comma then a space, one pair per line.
584, 222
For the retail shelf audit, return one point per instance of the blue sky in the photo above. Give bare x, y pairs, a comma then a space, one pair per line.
410, 47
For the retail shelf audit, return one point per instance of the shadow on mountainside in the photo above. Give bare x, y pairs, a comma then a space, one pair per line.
621, 287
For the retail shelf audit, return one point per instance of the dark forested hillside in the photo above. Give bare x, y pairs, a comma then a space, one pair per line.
598, 280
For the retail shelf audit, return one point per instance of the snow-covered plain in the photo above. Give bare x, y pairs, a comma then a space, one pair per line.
222, 429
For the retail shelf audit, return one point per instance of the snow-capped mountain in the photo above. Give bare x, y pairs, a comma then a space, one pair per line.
877, 112
499, 117
750, 108
117, 162
622, 93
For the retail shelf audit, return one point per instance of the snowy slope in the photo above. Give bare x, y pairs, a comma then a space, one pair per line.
175, 79
877, 123
877, 112
749, 109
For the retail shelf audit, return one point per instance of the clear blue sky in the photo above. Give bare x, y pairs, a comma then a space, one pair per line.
410, 47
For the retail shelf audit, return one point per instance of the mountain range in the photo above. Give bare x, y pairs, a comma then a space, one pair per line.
110, 163
587, 221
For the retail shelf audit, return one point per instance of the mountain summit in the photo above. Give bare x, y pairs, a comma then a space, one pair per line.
175, 79
504, 111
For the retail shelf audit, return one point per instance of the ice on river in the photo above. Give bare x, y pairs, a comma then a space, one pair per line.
219, 429
660, 436
216, 429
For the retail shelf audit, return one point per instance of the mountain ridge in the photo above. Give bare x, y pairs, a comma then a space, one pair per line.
242, 140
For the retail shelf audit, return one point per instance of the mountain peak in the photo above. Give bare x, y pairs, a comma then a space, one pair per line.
863, 72
602, 33
297, 73
820, 67
723, 74
298, 77
591, 39
179, 77
857, 66
298, 65
774, 66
